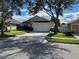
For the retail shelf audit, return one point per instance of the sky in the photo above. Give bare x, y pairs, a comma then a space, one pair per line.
72, 10
68, 14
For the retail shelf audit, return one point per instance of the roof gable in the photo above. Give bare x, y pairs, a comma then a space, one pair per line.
12, 21
37, 18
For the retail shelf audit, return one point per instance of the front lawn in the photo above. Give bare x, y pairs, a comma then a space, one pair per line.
59, 40
14, 33
61, 35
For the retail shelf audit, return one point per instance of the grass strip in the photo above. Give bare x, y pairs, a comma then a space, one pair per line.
59, 40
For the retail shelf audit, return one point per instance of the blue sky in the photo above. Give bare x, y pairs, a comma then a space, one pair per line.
72, 10
68, 15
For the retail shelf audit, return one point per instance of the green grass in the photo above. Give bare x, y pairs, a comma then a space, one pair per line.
12, 31
59, 40
15, 32
61, 35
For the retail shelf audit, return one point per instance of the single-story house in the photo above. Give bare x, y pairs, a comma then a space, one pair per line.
10, 24
74, 26
39, 24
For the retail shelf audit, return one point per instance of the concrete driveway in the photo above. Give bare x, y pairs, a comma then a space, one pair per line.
35, 34
34, 46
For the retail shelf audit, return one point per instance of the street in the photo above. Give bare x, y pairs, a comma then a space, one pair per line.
36, 47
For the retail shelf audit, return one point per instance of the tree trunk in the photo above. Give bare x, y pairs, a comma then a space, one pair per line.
56, 30
2, 17
2, 26
10, 27
57, 24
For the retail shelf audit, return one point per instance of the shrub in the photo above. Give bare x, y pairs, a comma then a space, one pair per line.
68, 33
51, 29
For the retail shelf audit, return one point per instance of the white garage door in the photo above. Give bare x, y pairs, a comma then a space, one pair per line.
41, 26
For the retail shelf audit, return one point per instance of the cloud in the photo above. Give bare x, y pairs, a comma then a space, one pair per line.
67, 17
46, 16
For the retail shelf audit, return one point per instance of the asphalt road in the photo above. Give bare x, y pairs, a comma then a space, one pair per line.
34, 46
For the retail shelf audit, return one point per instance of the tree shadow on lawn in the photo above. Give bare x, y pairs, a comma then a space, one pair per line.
34, 49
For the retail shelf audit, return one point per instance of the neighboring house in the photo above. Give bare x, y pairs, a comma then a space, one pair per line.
39, 24
14, 22
10, 24
74, 26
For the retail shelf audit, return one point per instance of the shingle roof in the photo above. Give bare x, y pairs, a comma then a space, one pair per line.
37, 18
12, 21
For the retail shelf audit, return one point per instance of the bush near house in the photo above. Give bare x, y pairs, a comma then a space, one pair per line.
68, 33
63, 34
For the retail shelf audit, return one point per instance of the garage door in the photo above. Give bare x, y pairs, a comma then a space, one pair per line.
41, 26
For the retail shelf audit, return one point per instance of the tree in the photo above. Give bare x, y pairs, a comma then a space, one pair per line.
8, 7
52, 8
